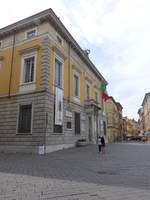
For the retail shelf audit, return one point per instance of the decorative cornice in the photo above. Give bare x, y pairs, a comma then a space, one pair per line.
30, 49
22, 93
88, 78
59, 52
76, 69
49, 15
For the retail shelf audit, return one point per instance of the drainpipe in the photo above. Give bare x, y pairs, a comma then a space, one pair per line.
11, 65
69, 71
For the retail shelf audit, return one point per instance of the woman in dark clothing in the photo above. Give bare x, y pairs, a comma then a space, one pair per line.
102, 144
99, 144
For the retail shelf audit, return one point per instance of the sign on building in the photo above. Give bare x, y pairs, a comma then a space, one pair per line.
59, 107
68, 114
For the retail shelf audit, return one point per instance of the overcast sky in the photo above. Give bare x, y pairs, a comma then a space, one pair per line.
116, 31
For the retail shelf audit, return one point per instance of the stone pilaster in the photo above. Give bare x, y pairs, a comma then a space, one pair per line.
45, 70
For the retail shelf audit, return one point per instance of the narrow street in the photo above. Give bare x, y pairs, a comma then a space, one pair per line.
78, 173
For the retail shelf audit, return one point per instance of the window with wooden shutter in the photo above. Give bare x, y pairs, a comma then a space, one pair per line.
25, 113
77, 123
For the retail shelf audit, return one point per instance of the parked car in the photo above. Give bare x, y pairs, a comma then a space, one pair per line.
138, 138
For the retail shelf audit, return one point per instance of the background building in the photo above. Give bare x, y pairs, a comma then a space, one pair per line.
114, 119
130, 127
124, 128
141, 120
144, 114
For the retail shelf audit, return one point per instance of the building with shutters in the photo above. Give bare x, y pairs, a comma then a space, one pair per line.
49, 89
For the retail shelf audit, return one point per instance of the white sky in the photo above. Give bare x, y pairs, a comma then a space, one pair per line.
117, 33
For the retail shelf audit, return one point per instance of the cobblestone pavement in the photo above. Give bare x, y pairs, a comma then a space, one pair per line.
123, 173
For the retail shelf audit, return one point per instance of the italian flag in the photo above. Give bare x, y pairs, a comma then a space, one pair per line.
104, 96
103, 89
103, 86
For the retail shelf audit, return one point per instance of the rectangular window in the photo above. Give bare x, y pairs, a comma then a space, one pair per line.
76, 85
58, 73
96, 97
59, 40
103, 106
0, 44
69, 125
31, 34
87, 92
104, 127
25, 114
77, 123
29, 65
28, 72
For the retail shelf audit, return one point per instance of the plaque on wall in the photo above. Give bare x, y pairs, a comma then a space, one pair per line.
68, 113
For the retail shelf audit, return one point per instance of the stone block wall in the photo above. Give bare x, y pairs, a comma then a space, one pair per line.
42, 124
68, 136
10, 140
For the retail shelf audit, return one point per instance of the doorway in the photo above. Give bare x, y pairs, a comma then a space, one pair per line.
90, 129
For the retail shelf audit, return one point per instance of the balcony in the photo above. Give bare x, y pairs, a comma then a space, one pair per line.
91, 106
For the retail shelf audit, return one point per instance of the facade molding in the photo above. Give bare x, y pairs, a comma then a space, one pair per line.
49, 15
30, 49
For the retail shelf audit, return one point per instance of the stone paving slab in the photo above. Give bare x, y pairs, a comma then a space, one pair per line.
123, 173
18, 187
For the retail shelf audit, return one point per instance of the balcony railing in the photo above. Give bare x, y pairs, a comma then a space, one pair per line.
91, 102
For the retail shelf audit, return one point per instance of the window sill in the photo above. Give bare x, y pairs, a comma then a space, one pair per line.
60, 87
54, 134
77, 99
24, 87
20, 134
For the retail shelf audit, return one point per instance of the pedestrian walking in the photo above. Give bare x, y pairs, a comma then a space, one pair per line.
99, 144
102, 145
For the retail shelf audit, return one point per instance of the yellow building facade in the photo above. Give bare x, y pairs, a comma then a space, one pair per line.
132, 127
114, 120
36, 62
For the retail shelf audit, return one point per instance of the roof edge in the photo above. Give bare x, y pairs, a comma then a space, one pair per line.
49, 13
146, 94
